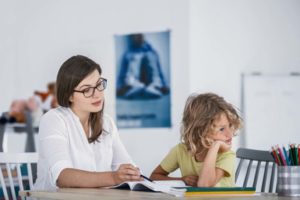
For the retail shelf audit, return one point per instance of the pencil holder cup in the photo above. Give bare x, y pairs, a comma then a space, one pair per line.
288, 181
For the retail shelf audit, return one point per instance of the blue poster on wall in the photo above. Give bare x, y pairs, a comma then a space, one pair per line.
143, 80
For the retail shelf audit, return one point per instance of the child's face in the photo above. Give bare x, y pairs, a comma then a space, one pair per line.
222, 130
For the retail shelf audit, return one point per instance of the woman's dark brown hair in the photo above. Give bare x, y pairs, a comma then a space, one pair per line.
70, 74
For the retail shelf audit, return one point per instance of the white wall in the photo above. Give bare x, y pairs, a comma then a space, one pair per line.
37, 36
229, 37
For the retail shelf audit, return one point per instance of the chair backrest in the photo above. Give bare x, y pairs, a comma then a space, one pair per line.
263, 162
11, 175
27, 127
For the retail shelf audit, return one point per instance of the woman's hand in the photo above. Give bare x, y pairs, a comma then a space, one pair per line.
190, 180
127, 172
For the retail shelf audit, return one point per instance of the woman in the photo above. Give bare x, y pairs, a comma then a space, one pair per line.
79, 145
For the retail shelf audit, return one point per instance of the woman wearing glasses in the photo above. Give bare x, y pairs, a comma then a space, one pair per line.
79, 145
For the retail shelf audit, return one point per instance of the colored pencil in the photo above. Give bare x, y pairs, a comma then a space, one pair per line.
296, 154
292, 155
286, 156
299, 154
281, 155
275, 156
288, 162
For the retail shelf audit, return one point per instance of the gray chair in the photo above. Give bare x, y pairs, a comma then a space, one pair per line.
20, 128
251, 163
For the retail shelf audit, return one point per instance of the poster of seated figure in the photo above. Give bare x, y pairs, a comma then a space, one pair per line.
143, 80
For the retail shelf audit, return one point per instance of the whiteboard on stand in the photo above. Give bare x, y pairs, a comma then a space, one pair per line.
271, 110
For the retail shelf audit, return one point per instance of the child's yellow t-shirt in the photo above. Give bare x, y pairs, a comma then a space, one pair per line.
180, 158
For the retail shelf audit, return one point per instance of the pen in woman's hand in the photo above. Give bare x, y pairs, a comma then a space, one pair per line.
148, 179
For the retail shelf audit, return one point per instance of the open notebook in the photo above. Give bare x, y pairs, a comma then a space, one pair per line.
168, 187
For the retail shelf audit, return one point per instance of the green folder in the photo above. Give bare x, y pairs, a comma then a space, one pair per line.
193, 191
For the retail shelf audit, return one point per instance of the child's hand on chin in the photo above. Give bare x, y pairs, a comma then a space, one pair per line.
223, 146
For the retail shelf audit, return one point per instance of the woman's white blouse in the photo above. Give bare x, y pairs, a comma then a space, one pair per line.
63, 144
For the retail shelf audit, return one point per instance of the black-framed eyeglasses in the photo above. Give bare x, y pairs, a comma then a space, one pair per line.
90, 91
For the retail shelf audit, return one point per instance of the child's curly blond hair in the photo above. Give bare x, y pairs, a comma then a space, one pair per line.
198, 117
